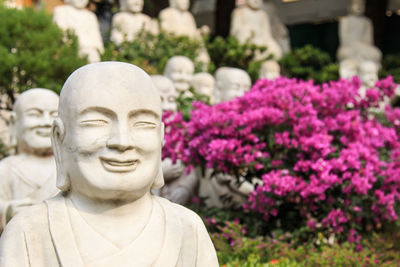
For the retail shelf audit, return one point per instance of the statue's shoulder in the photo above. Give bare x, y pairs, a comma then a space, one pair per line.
31, 219
169, 11
11, 162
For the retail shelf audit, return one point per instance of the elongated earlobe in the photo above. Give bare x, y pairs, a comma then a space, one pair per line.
57, 138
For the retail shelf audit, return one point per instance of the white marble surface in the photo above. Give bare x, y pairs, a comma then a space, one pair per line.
29, 177
73, 16
107, 143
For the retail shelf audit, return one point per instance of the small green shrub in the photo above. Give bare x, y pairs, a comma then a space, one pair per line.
309, 63
230, 53
391, 66
34, 52
151, 52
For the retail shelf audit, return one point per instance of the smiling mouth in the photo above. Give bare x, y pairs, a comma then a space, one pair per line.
116, 165
43, 132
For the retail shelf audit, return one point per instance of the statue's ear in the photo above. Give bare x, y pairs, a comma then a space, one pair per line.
13, 130
57, 138
162, 129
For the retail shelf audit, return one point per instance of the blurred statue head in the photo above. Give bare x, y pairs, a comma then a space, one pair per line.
356, 7
180, 70
31, 119
77, 3
204, 83
231, 83
254, 4
134, 6
181, 5
348, 68
270, 70
108, 137
167, 92
368, 72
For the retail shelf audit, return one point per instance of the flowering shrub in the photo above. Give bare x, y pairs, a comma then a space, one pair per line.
324, 161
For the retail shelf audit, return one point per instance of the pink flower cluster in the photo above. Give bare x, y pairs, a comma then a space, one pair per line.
314, 146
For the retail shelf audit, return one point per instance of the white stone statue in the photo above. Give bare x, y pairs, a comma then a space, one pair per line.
130, 21
368, 72
30, 176
356, 36
250, 23
279, 30
204, 83
231, 83
180, 70
176, 19
73, 16
107, 143
348, 68
270, 70
179, 187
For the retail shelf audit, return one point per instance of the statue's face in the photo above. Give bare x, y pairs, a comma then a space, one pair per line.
204, 85
357, 7
35, 112
233, 85
255, 4
135, 6
78, 3
369, 74
182, 5
181, 73
167, 92
112, 144
270, 70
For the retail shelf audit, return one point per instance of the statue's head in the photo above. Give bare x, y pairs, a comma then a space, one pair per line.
357, 7
167, 92
254, 4
368, 72
348, 68
134, 6
77, 3
204, 83
180, 70
270, 70
107, 139
231, 83
31, 119
181, 5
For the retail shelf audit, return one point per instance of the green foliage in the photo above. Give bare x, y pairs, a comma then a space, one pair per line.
391, 66
184, 103
230, 53
34, 52
309, 63
151, 52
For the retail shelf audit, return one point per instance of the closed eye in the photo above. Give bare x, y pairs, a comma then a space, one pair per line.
144, 124
93, 123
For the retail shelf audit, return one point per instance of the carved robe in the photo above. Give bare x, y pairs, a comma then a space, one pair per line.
54, 234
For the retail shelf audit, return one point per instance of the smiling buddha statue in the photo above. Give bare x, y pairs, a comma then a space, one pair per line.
107, 144
30, 176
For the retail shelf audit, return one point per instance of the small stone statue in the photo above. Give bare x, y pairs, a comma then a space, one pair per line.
107, 144
180, 70
270, 70
73, 16
128, 23
30, 176
356, 36
231, 83
179, 187
204, 83
251, 24
368, 72
348, 68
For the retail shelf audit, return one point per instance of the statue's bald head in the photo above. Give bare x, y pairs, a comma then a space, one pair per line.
113, 78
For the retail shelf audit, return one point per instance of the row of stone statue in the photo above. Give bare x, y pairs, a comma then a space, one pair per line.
91, 204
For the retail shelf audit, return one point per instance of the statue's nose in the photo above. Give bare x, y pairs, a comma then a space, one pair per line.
120, 139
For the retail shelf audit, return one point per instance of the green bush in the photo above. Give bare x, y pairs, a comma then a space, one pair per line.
309, 63
230, 53
151, 52
34, 52
391, 66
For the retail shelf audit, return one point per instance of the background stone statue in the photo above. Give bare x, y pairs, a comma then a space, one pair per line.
179, 186
130, 21
107, 143
356, 35
231, 83
270, 70
204, 83
348, 68
30, 176
251, 24
180, 70
73, 16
